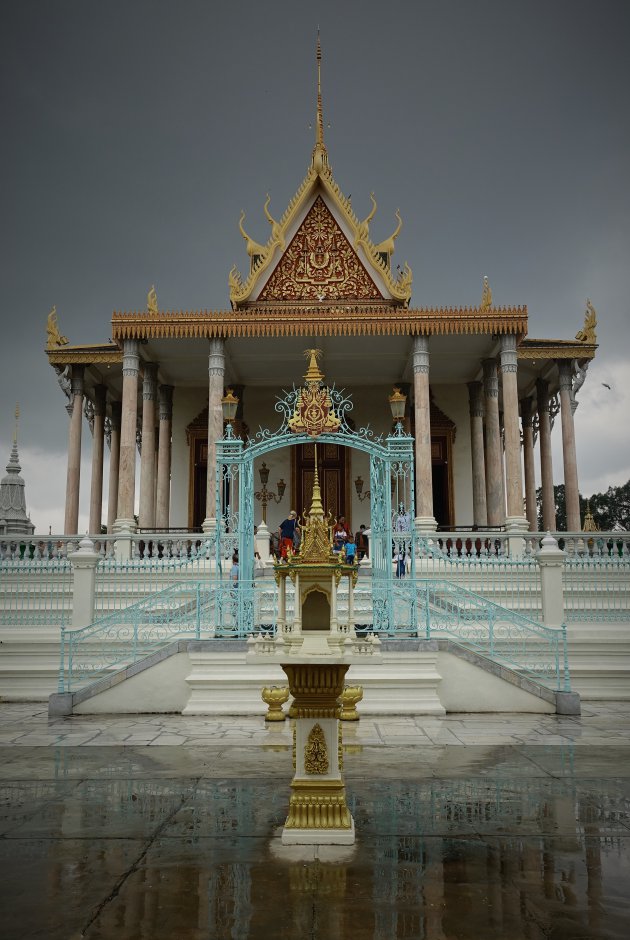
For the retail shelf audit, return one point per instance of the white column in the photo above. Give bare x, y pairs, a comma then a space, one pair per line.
494, 466
114, 460
546, 461
551, 562
84, 563
98, 444
569, 457
163, 501
125, 521
147, 456
73, 477
480, 509
513, 472
216, 372
425, 520
528, 464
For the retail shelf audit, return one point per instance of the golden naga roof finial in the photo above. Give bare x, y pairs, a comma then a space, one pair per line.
320, 154
52, 330
587, 334
363, 228
152, 301
276, 229
253, 248
387, 247
486, 294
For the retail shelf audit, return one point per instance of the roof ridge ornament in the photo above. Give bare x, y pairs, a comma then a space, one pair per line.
486, 294
52, 330
587, 334
152, 301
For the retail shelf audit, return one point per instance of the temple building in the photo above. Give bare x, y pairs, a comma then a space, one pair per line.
477, 393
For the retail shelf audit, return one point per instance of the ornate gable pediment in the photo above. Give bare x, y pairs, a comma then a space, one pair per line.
320, 264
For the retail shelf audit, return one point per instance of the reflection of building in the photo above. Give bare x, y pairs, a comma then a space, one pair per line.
467, 373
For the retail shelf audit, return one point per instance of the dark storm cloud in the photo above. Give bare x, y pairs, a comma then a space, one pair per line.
134, 132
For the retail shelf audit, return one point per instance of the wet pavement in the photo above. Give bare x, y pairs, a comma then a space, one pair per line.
476, 826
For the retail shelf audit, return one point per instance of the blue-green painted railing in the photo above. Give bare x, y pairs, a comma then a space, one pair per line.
194, 610
432, 608
206, 609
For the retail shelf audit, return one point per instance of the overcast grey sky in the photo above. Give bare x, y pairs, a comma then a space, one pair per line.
134, 132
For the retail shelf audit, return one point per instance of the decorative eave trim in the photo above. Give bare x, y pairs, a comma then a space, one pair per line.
84, 355
540, 349
362, 320
242, 289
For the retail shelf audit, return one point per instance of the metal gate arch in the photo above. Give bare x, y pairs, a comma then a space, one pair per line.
391, 483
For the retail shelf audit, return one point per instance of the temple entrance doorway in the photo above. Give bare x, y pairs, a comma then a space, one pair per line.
334, 468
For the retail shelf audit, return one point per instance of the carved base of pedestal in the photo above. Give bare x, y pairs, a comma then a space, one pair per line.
319, 836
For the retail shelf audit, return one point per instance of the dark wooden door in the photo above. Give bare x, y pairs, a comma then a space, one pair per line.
331, 466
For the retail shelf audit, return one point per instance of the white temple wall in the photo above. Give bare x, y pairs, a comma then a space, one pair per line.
453, 401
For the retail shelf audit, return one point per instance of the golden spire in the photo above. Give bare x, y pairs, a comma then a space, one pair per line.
313, 374
317, 508
320, 154
17, 419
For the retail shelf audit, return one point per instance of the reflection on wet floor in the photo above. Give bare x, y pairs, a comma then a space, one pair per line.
491, 857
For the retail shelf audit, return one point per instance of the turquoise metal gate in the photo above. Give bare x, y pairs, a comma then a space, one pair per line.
391, 485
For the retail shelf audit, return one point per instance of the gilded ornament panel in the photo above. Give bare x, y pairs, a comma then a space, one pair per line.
320, 264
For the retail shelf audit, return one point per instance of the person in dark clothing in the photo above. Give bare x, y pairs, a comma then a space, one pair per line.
287, 533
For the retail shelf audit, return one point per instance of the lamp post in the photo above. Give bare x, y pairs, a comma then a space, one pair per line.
265, 496
229, 404
397, 401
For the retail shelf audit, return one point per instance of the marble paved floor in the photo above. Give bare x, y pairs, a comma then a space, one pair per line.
164, 826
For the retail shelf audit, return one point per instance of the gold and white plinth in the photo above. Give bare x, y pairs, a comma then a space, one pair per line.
318, 813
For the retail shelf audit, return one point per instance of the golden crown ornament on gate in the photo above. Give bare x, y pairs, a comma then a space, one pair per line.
314, 413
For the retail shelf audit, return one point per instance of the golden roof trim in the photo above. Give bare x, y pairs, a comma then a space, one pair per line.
242, 289
86, 354
350, 320
555, 349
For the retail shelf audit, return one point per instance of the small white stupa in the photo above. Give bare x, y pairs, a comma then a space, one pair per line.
14, 520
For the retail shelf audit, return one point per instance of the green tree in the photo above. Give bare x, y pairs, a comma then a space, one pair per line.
610, 509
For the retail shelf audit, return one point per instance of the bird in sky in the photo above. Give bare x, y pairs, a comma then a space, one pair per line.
605, 384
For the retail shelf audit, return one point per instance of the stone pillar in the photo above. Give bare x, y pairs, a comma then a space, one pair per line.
425, 521
528, 462
569, 458
163, 502
147, 456
216, 372
73, 478
513, 473
480, 509
494, 468
125, 521
84, 563
546, 463
98, 442
551, 562
114, 461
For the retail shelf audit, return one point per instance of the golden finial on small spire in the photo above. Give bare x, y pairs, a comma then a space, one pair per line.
313, 375
17, 421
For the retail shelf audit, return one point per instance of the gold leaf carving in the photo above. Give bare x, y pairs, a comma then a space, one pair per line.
316, 752
320, 264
